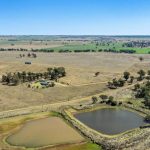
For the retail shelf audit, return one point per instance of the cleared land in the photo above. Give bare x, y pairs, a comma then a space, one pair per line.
79, 84
114, 46
72, 43
80, 76
56, 46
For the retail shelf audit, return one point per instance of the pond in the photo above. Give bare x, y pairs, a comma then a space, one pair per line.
111, 120
43, 132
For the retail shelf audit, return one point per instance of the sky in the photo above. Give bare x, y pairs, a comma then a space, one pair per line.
74, 17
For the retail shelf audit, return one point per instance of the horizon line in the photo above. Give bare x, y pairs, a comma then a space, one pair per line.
74, 35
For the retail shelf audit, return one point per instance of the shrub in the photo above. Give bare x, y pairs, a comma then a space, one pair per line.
136, 86
94, 99
126, 75
103, 97
147, 118
113, 103
120, 103
129, 102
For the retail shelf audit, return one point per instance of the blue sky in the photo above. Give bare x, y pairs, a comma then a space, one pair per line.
75, 17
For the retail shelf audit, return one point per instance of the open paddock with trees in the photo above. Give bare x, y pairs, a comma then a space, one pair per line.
80, 80
92, 74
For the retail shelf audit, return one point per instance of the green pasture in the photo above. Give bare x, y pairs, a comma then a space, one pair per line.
92, 46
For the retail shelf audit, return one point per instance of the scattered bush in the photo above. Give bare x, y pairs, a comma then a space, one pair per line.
94, 99
147, 118
103, 97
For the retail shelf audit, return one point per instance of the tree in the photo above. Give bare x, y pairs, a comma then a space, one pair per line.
103, 97
115, 82
49, 70
29, 55
121, 82
114, 103
141, 74
4, 78
136, 86
61, 71
126, 75
94, 99
131, 79
147, 101
148, 72
9, 77
111, 85
147, 118
34, 55
15, 79
141, 58
23, 76
97, 73
139, 93
111, 98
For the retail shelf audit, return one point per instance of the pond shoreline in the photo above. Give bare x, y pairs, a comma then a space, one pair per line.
108, 142
124, 140
36, 118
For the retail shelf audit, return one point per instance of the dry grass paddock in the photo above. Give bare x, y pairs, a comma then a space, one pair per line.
80, 68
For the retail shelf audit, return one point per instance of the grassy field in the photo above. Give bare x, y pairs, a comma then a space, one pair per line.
57, 43
91, 46
86, 146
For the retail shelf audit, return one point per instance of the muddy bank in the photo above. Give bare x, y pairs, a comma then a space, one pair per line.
43, 132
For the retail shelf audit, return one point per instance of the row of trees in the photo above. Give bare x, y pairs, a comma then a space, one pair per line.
105, 99
140, 44
81, 51
21, 77
120, 51
13, 49
30, 55
76, 51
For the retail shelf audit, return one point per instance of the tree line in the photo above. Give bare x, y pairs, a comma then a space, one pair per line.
22, 77
139, 44
109, 100
13, 49
70, 51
